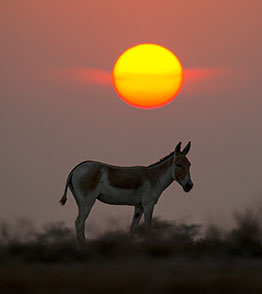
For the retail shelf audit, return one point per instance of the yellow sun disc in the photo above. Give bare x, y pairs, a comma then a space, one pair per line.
147, 76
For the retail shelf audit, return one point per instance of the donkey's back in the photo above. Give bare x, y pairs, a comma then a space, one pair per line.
109, 183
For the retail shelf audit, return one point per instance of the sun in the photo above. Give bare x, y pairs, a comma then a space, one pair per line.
147, 76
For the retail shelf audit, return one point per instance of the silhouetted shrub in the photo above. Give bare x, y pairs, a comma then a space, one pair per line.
176, 258
246, 237
55, 233
56, 243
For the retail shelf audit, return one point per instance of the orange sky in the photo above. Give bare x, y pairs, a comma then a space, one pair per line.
59, 108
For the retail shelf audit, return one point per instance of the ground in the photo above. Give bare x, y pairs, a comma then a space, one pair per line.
178, 258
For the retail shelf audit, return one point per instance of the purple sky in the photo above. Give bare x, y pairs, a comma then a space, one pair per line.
59, 108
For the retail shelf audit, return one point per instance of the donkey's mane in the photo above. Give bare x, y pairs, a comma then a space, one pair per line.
162, 159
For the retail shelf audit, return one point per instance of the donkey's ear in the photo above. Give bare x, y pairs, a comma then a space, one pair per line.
187, 148
178, 147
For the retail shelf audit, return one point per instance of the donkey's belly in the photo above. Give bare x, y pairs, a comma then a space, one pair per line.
120, 199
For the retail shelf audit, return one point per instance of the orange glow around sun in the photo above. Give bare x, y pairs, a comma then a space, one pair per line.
147, 76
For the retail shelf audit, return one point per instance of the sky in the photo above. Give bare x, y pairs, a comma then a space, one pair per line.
58, 105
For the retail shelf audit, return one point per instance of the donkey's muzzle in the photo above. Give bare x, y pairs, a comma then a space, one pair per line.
188, 187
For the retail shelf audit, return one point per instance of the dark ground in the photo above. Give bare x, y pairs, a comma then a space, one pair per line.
178, 259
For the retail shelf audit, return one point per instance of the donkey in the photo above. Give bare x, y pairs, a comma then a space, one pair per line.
138, 186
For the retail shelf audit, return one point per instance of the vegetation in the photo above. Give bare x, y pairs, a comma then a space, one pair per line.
178, 257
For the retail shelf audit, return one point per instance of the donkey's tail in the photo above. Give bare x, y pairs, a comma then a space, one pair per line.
64, 198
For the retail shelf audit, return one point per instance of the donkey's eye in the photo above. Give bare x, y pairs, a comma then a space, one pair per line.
179, 165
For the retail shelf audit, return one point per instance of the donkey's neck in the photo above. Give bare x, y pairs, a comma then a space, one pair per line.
162, 173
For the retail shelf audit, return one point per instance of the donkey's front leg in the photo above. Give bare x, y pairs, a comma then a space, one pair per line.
136, 218
148, 212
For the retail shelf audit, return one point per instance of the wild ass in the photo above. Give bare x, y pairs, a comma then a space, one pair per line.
139, 186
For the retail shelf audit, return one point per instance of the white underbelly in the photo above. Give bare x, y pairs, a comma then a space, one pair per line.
119, 196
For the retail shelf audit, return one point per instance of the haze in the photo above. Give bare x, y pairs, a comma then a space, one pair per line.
58, 106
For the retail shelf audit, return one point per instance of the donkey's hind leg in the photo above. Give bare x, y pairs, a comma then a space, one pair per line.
83, 212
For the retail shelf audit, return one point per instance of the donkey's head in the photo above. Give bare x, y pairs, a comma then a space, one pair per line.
181, 167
